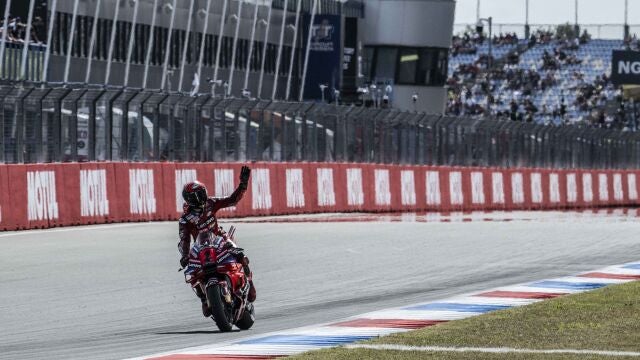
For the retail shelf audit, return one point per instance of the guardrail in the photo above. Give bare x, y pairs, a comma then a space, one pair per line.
48, 195
44, 124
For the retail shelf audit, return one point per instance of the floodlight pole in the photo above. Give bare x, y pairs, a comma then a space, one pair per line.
489, 21
527, 27
577, 27
626, 19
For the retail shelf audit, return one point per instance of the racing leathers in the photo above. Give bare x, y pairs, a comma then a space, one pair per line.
201, 224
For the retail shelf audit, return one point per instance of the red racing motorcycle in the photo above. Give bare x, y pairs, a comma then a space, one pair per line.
215, 270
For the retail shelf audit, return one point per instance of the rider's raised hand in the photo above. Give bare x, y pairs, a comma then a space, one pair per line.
245, 173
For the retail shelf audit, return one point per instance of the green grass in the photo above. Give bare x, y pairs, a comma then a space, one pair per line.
604, 319
365, 354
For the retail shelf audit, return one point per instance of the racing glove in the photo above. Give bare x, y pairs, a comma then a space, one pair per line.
245, 173
184, 261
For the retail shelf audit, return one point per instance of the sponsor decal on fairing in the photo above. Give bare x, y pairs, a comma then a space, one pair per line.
41, 199
93, 193
383, 192
355, 194
633, 189
554, 188
142, 197
223, 184
572, 188
477, 187
587, 187
295, 188
455, 188
536, 188
408, 187
517, 188
261, 189
497, 181
326, 192
183, 176
618, 191
433, 188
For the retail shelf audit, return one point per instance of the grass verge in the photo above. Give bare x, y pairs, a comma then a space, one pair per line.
604, 319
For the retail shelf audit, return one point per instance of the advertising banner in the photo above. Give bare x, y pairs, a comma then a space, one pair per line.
325, 56
625, 67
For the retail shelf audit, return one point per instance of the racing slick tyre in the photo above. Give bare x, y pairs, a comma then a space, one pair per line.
247, 319
222, 313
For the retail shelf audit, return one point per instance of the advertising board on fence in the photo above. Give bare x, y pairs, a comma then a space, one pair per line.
48, 195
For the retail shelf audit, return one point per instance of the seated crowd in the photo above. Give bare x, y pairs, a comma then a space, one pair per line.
17, 29
553, 91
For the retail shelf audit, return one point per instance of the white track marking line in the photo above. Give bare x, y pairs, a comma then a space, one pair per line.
76, 228
481, 300
589, 280
435, 315
491, 350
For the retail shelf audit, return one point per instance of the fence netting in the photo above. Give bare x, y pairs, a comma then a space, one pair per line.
43, 124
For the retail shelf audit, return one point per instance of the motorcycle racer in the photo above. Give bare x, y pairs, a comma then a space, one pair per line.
199, 221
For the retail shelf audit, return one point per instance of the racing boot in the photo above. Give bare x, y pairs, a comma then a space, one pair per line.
206, 311
251, 297
252, 292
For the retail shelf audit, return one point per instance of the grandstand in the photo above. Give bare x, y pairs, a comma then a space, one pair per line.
547, 79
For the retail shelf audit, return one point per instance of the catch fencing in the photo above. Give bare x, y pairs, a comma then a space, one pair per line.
48, 195
48, 124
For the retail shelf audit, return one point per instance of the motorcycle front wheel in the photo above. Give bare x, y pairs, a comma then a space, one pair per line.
222, 313
247, 319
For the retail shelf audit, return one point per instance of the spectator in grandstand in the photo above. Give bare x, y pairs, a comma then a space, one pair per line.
585, 37
16, 30
505, 39
467, 43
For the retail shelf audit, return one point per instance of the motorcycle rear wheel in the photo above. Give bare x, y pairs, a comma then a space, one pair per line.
221, 315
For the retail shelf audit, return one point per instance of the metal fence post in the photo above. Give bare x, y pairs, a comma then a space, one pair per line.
3, 46
71, 39
235, 47
264, 50
167, 48
112, 42
293, 51
202, 44
282, 29
27, 40
132, 37
186, 45
253, 37
150, 44
92, 44
306, 58
220, 36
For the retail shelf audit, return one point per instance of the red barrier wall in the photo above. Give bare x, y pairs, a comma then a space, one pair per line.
48, 195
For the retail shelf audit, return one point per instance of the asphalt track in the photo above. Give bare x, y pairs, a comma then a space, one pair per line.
112, 292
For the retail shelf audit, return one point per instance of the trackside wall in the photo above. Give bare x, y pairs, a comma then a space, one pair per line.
50, 195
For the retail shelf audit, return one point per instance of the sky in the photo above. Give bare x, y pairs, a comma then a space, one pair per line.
553, 12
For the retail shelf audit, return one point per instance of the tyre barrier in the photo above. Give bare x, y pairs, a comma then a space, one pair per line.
49, 195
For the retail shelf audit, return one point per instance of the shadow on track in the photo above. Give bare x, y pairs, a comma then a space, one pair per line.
194, 332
